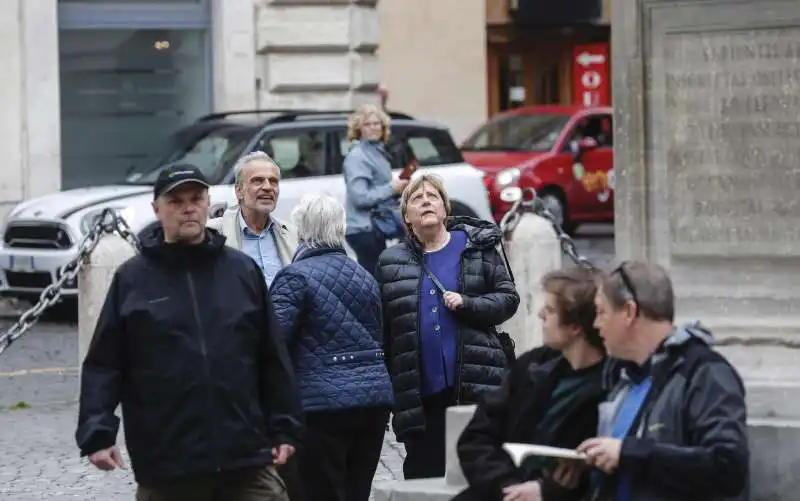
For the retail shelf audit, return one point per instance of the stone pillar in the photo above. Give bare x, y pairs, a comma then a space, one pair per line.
457, 418
706, 150
30, 133
93, 282
533, 250
319, 55
234, 54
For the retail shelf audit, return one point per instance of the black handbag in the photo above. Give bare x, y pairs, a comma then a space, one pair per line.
386, 220
504, 338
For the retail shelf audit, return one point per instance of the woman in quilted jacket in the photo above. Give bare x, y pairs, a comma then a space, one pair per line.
444, 290
329, 311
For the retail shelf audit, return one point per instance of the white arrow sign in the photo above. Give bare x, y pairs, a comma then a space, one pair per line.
585, 59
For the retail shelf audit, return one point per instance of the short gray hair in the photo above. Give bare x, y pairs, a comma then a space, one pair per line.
252, 157
320, 221
647, 285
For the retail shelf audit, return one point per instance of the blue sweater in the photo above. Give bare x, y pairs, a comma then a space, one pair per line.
438, 328
329, 311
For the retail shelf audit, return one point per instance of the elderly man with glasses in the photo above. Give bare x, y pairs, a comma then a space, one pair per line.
673, 428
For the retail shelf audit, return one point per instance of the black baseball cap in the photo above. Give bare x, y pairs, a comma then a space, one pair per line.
176, 175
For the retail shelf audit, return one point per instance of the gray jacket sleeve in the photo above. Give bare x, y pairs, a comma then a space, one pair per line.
358, 179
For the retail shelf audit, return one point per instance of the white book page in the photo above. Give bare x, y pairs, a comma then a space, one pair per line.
519, 452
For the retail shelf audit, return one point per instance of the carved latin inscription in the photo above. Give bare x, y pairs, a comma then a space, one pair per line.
732, 127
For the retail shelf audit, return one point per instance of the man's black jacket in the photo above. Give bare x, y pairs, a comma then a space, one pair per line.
512, 414
186, 343
689, 441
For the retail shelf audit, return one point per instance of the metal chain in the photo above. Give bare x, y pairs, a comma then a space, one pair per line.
529, 201
107, 222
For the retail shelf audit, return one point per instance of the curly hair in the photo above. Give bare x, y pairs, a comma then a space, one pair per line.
357, 119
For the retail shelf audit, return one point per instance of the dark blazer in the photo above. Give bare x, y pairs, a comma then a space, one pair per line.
514, 413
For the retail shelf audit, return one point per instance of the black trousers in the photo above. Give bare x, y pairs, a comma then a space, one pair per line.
251, 484
341, 453
367, 245
425, 451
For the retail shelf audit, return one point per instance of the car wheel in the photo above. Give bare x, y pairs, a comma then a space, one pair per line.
555, 205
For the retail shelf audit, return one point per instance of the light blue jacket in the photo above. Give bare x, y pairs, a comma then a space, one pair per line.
367, 176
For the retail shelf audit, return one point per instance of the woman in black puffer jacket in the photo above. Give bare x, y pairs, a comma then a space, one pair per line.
444, 289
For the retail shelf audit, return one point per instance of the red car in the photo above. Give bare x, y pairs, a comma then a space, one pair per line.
564, 152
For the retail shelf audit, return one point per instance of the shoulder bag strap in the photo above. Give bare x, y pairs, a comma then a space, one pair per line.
442, 288
438, 283
505, 258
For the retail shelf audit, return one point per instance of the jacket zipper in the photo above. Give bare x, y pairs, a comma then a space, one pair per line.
419, 329
206, 367
460, 352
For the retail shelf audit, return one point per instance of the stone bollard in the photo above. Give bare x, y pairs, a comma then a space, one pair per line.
434, 489
456, 420
533, 250
93, 282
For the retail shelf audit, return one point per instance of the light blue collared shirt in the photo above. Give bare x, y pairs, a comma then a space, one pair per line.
262, 248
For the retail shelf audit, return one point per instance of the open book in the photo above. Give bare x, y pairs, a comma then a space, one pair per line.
519, 452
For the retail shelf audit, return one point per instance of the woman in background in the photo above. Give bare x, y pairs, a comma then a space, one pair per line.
368, 178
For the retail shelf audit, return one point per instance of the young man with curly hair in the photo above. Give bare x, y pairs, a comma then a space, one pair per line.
549, 397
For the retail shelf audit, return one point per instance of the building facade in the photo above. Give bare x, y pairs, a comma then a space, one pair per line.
543, 53
462, 61
92, 87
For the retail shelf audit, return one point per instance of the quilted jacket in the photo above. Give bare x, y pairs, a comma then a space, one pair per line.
490, 298
329, 310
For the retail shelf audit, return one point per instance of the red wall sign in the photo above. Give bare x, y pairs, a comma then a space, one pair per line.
590, 75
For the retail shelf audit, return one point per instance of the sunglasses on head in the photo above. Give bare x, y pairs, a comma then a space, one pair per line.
626, 280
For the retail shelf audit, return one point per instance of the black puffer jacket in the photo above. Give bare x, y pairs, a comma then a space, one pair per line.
490, 298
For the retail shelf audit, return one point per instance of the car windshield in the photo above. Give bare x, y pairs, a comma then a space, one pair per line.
518, 132
213, 151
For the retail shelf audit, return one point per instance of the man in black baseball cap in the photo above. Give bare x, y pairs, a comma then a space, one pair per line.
207, 389
177, 175
180, 201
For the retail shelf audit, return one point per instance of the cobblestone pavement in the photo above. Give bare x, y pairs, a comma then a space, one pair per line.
38, 375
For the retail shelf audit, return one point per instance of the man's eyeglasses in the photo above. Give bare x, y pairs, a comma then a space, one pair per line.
626, 280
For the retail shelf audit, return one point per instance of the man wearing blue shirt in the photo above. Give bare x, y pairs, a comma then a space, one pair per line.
673, 428
250, 227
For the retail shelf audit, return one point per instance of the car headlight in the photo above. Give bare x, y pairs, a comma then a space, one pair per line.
506, 177
87, 221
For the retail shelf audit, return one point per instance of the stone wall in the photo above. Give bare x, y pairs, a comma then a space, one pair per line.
30, 133
316, 54
706, 150
433, 60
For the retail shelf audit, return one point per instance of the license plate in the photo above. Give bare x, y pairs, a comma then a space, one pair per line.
21, 264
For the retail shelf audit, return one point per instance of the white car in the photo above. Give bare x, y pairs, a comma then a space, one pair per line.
41, 235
